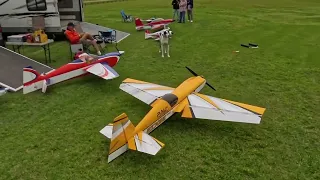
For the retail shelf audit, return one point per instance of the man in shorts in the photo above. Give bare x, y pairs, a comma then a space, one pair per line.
84, 38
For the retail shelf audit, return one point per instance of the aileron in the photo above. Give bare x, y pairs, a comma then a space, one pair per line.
211, 108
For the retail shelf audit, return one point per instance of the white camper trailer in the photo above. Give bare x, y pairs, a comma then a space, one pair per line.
19, 16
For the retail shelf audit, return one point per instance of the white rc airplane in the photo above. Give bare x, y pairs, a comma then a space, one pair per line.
156, 35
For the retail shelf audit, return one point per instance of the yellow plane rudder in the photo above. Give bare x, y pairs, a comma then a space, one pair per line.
122, 131
125, 137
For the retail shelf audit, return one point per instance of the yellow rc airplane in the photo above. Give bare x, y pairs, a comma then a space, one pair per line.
165, 101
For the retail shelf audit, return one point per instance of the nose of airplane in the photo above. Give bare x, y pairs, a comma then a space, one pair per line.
121, 52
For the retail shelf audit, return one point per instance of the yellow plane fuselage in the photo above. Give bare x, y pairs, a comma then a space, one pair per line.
163, 108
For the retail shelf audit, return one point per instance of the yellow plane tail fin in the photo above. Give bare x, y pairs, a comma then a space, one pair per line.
124, 137
122, 130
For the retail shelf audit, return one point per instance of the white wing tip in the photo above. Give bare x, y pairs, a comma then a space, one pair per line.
107, 131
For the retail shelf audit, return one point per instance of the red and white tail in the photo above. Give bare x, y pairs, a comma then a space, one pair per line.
29, 75
138, 22
147, 34
32, 81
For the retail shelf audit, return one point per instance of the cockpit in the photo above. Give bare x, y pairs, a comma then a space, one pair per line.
171, 99
86, 58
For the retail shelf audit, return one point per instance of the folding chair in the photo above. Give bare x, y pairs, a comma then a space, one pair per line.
126, 18
74, 48
109, 36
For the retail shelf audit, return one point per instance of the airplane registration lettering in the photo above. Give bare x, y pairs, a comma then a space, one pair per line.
162, 112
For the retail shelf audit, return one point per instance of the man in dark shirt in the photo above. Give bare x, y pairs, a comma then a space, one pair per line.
175, 6
189, 11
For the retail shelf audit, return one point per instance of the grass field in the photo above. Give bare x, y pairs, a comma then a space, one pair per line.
56, 135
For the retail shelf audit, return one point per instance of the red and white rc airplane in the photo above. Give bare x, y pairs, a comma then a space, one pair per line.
153, 24
98, 65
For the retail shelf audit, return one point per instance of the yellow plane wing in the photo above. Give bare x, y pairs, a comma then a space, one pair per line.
201, 106
144, 91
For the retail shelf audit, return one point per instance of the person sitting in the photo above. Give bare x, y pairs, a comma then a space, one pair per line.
84, 38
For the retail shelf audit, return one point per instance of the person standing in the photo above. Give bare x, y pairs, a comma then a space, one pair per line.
182, 9
189, 11
175, 6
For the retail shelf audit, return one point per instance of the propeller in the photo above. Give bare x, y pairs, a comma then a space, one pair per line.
195, 74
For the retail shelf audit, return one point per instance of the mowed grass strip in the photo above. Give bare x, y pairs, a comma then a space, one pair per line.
56, 135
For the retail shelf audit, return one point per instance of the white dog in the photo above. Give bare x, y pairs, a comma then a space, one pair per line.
164, 42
